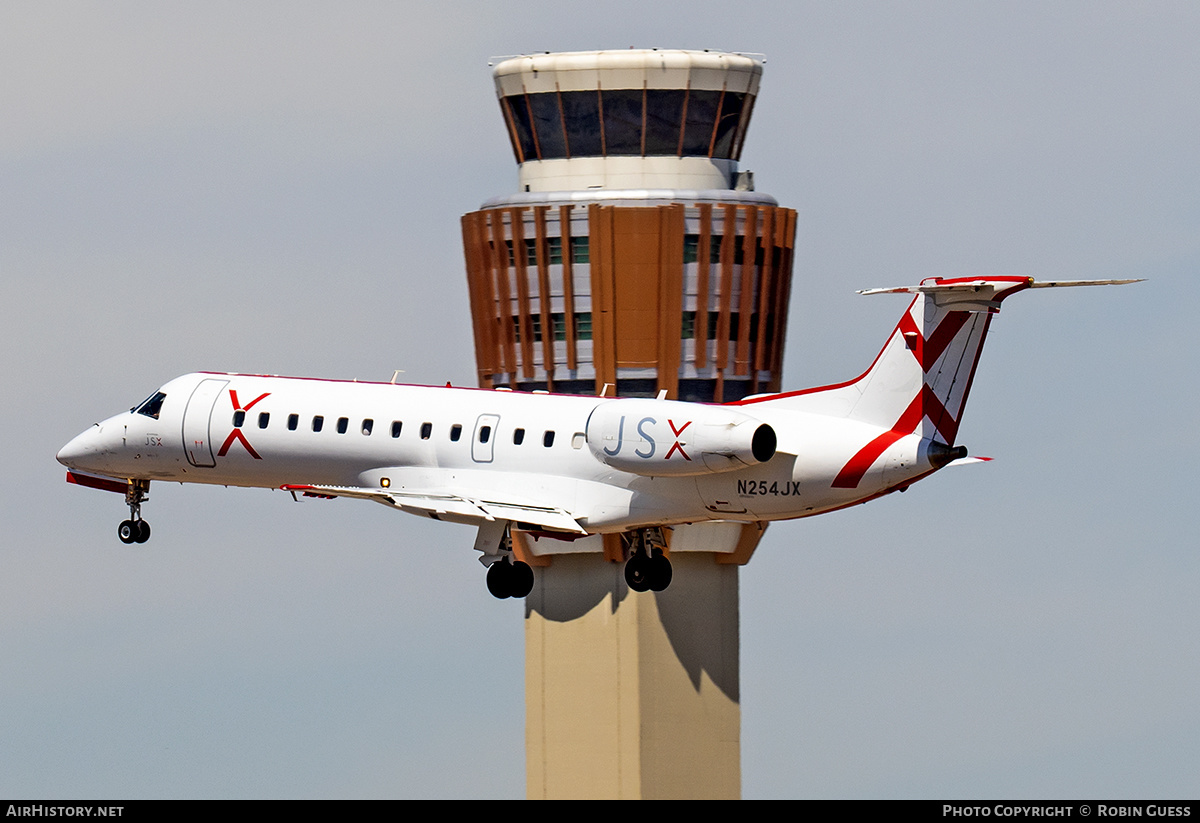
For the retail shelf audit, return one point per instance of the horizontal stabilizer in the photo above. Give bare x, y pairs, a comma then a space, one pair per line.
1054, 284
963, 461
977, 294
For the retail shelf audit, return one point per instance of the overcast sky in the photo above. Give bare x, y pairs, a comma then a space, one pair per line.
276, 188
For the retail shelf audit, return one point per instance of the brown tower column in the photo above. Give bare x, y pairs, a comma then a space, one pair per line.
687, 298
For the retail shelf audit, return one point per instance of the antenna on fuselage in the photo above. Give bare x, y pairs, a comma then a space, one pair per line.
396, 374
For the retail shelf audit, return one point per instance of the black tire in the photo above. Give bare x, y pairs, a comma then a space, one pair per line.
660, 572
499, 579
521, 579
637, 573
143, 531
127, 531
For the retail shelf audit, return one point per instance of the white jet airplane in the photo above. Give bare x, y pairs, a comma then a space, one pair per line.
567, 466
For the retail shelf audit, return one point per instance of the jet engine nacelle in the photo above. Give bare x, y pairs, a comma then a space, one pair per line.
666, 437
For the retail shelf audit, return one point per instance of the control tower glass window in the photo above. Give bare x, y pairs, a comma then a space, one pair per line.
627, 122
622, 121
517, 113
699, 121
581, 113
727, 123
664, 113
547, 121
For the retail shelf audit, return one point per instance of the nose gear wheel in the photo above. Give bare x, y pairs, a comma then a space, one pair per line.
135, 529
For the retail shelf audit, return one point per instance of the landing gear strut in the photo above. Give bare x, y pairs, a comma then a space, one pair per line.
648, 568
508, 577
135, 529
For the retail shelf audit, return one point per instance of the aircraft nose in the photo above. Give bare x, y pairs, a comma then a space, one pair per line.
79, 448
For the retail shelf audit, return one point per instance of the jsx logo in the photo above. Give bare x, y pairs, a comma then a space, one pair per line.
677, 444
651, 444
239, 417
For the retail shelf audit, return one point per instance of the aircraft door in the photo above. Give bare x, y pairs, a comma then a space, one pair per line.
197, 444
483, 442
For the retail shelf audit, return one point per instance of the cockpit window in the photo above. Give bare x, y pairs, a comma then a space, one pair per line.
151, 406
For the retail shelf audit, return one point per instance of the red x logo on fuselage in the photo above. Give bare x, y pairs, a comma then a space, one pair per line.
677, 444
236, 434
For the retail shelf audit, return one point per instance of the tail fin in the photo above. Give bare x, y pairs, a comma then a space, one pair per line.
919, 382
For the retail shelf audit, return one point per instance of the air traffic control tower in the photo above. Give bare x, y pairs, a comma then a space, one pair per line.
634, 259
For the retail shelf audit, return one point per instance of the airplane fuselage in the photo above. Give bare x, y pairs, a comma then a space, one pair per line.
611, 464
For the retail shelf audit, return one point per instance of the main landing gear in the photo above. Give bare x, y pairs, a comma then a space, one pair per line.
648, 568
135, 529
507, 576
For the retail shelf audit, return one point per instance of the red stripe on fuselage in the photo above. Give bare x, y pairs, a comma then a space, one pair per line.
926, 404
852, 473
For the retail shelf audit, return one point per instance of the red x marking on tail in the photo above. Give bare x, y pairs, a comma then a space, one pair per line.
928, 351
925, 404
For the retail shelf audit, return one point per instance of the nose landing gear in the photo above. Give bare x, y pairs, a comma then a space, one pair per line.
135, 529
648, 568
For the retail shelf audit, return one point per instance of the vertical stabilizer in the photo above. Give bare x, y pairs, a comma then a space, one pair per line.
919, 382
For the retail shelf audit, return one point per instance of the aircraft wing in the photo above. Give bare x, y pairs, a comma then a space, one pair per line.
452, 506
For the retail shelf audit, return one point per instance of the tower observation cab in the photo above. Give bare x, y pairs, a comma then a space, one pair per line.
635, 253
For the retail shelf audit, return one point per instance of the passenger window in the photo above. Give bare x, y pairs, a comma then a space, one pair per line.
426, 430
318, 422
518, 436
368, 424
455, 432
263, 419
293, 422
548, 439
239, 417
343, 424
396, 426
485, 434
